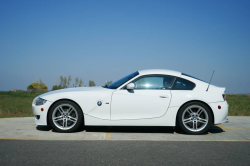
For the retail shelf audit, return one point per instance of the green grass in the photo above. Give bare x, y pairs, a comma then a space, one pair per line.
239, 105
18, 104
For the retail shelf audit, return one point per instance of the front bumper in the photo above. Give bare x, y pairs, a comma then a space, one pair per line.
41, 116
220, 115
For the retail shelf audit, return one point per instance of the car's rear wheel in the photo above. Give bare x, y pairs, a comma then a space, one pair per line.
194, 118
65, 116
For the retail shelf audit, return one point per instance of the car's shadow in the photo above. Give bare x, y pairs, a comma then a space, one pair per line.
133, 129
43, 128
215, 129
130, 129
212, 130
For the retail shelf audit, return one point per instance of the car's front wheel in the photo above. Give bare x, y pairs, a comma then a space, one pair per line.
194, 118
65, 116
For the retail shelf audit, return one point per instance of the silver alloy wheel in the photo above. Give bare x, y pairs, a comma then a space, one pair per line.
195, 118
65, 116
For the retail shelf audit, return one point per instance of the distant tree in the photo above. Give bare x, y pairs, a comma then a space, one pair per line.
64, 82
76, 81
55, 87
80, 83
61, 81
43, 86
30, 87
36, 86
68, 81
91, 83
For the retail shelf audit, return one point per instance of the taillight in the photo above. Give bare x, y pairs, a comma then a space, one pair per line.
224, 97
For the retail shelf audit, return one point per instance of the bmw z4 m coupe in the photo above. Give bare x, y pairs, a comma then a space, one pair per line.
153, 97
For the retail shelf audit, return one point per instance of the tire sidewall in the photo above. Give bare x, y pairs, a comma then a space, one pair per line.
79, 112
181, 125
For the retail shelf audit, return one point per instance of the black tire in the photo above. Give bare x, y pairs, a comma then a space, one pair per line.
76, 113
194, 121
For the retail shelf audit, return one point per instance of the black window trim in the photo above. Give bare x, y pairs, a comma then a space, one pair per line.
123, 88
192, 77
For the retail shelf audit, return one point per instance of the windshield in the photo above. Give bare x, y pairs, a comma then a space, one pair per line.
122, 80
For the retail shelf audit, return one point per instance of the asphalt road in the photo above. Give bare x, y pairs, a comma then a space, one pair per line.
24, 143
106, 152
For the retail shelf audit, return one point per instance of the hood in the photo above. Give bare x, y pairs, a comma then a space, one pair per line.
69, 90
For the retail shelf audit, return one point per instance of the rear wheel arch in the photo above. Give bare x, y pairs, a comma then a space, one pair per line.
176, 123
60, 101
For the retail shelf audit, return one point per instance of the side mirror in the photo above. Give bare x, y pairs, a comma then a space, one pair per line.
130, 86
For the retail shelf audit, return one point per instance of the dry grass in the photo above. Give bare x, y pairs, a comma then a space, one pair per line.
18, 104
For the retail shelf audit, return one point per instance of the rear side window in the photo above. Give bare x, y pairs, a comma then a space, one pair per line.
182, 84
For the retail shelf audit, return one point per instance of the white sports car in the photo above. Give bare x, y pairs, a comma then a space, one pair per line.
144, 98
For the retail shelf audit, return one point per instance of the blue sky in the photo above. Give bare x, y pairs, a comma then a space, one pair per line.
106, 40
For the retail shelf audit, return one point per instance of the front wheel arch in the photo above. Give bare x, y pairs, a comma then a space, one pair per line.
60, 101
176, 123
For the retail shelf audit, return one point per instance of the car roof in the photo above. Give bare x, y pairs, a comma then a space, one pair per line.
160, 71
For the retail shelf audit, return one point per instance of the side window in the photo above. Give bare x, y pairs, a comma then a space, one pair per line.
154, 82
182, 84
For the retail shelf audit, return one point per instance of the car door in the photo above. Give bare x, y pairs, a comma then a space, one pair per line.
149, 99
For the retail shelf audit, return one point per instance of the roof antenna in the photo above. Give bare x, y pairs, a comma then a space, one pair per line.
210, 80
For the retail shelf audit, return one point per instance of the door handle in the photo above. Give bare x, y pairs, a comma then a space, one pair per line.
164, 96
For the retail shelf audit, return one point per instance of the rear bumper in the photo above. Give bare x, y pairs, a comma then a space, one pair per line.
220, 115
225, 121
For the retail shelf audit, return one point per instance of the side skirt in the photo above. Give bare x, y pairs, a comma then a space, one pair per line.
168, 119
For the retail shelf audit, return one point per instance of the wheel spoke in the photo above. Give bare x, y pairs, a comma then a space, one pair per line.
70, 110
60, 109
58, 118
66, 123
190, 111
63, 123
199, 112
202, 120
187, 120
72, 119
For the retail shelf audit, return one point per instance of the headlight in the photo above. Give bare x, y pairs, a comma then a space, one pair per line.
39, 101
